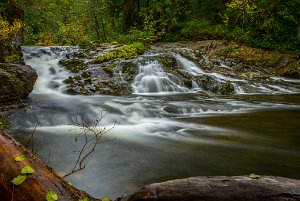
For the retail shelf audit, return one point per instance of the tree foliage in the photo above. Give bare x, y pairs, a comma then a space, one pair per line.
264, 23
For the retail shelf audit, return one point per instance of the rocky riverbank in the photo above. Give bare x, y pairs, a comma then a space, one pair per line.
254, 61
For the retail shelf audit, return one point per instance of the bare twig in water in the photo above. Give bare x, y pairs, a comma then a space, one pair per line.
92, 134
49, 153
31, 139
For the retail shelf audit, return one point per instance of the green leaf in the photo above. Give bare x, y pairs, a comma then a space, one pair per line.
70, 184
84, 199
51, 196
254, 176
19, 179
27, 170
20, 158
105, 199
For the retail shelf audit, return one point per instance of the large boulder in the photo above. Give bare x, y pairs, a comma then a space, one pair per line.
16, 81
267, 188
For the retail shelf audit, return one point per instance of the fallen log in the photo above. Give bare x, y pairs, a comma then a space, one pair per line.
36, 185
237, 188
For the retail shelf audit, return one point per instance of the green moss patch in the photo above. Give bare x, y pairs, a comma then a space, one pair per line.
126, 51
73, 65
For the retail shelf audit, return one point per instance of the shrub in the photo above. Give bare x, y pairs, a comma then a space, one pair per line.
7, 34
7, 31
135, 35
202, 29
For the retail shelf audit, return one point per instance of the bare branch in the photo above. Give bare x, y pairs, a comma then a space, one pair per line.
90, 134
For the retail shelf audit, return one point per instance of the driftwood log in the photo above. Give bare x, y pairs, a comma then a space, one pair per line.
36, 185
237, 188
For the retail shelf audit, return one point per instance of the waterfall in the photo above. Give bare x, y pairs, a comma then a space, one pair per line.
45, 61
189, 66
152, 78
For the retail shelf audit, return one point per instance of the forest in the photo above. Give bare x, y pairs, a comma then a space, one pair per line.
266, 24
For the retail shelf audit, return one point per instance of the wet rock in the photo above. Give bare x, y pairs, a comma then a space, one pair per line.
253, 76
267, 188
16, 81
168, 61
172, 110
86, 74
73, 65
211, 84
291, 70
52, 70
109, 70
97, 85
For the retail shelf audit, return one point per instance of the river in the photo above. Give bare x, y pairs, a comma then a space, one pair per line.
162, 135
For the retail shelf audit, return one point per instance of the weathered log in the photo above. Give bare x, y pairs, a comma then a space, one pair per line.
237, 188
36, 185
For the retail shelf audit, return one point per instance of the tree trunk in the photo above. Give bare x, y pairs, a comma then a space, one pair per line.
36, 185
298, 29
97, 27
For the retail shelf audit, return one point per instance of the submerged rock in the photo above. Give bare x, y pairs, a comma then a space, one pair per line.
16, 81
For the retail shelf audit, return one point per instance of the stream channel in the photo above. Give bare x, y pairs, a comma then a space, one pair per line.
162, 130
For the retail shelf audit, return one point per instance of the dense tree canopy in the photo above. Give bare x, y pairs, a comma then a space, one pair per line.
264, 23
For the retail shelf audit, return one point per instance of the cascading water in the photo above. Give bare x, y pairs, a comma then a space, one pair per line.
161, 136
152, 79
45, 61
188, 65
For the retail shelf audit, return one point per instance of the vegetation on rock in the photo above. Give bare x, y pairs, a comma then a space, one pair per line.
125, 51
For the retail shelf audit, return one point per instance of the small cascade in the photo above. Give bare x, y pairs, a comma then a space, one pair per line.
152, 78
189, 66
195, 86
45, 61
238, 89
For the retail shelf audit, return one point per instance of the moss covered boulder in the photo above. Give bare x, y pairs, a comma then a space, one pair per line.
16, 82
73, 65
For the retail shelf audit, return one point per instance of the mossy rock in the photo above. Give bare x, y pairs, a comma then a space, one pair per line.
129, 70
73, 79
86, 74
292, 70
16, 82
250, 75
73, 65
227, 89
109, 70
125, 52
211, 84
168, 62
